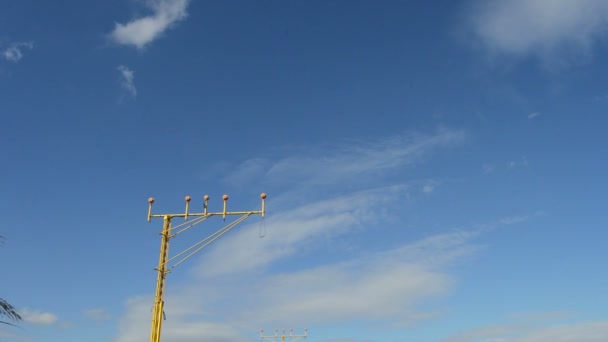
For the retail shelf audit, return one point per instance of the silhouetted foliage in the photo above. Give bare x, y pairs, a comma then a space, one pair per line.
6, 309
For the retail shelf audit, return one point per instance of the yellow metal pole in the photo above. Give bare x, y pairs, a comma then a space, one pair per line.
159, 301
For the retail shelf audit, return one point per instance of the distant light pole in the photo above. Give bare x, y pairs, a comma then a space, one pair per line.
283, 337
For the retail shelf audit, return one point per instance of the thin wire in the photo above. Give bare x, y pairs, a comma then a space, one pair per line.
187, 222
197, 244
222, 230
192, 224
262, 229
213, 237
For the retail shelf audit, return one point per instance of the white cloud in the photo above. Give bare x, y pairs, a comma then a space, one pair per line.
134, 326
337, 165
242, 283
247, 170
539, 27
382, 288
533, 115
290, 229
588, 332
142, 31
347, 163
429, 186
37, 317
98, 314
377, 291
514, 219
222, 300
514, 163
596, 331
12, 336
127, 80
14, 52
489, 168
310, 269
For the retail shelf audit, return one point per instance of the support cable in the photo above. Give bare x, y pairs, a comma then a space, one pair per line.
185, 223
209, 239
192, 224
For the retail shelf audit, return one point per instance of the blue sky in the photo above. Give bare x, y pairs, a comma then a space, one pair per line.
434, 171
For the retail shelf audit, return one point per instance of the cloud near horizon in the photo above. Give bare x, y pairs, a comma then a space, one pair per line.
548, 330
386, 288
142, 31
325, 256
37, 317
388, 285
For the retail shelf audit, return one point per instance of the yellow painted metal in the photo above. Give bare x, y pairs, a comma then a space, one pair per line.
252, 212
159, 303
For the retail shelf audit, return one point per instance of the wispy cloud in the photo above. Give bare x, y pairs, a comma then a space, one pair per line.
309, 257
515, 163
37, 317
429, 186
14, 52
300, 226
342, 164
595, 331
98, 314
142, 31
380, 290
134, 326
385, 286
533, 115
488, 168
127, 80
514, 219
539, 27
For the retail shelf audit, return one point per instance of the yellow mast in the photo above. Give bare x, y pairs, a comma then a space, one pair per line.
159, 303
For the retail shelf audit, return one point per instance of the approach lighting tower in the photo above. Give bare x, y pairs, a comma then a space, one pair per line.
169, 232
283, 337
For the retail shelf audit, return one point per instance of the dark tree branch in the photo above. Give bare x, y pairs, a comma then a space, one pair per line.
6, 309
